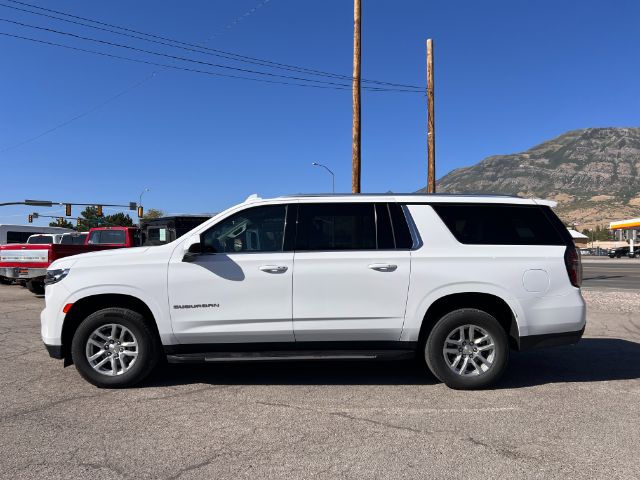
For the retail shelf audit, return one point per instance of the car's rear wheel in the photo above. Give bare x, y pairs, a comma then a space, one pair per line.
114, 348
467, 349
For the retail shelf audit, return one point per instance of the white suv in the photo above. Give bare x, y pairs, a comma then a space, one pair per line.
456, 280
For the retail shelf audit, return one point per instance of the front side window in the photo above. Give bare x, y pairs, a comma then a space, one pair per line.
336, 226
258, 229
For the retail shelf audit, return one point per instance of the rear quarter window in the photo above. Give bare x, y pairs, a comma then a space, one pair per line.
497, 224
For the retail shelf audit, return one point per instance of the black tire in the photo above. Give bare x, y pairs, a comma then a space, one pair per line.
437, 363
36, 287
148, 347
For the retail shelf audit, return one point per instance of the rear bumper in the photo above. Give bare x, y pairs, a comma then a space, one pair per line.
55, 351
550, 340
18, 273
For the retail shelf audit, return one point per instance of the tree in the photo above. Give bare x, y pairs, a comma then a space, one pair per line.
90, 219
153, 213
599, 233
65, 224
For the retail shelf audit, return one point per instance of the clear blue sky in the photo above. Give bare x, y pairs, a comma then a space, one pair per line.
509, 74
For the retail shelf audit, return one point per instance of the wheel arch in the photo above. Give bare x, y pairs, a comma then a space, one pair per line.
487, 302
85, 306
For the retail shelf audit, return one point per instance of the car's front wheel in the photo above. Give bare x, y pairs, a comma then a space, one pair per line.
467, 349
114, 348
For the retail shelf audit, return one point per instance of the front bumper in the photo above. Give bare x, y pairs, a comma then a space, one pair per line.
17, 273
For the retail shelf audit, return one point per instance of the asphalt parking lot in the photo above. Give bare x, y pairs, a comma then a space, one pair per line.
568, 412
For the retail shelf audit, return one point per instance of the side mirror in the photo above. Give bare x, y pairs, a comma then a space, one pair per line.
192, 247
195, 249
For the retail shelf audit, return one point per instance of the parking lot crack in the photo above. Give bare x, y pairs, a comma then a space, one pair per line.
41, 408
347, 416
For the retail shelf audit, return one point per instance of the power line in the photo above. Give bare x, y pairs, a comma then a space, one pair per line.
184, 59
79, 116
195, 47
237, 20
110, 99
200, 62
186, 69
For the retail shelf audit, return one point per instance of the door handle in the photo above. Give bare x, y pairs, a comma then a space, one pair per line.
273, 268
383, 267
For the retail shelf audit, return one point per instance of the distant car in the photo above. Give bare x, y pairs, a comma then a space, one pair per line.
619, 252
44, 239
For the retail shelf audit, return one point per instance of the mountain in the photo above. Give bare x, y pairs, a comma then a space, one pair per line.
593, 174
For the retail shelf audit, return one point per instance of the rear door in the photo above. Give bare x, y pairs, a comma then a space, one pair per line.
351, 273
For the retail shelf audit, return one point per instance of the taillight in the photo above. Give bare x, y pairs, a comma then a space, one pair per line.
574, 265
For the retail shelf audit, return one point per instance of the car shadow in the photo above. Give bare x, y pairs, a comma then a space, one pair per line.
591, 360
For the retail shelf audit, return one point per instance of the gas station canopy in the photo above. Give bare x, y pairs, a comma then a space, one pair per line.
625, 224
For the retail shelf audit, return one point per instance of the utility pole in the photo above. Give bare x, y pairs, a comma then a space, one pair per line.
355, 132
431, 124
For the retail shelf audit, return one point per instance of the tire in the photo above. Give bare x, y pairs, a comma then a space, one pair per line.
5, 281
130, 369
36, 287
482, 367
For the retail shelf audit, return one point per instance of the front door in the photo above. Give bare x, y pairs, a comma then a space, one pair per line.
350, 280
239, 288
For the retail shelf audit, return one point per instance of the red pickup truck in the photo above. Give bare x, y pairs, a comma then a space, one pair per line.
27, 264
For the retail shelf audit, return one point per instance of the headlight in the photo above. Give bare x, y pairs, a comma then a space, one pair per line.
54, 276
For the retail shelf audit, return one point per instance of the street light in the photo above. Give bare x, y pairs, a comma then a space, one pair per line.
142, 193
333, 177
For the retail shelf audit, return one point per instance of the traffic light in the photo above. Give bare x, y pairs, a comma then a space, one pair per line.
79, 221
140, 211
30, 218
67, 210
60, 221
99, 210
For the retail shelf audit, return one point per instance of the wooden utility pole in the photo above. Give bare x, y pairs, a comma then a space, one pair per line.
355, 132
431, 124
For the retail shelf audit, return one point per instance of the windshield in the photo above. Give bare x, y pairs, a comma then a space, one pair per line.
73, 239
107, 237
40, 240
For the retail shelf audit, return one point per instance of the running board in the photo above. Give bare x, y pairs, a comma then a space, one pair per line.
278, 356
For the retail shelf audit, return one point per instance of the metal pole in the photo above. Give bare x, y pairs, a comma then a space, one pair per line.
333, 177
431, 124
142, 193
355, 131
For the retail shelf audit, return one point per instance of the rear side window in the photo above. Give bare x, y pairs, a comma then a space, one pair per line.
352, 226
400, 227
495, 224
336, 226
